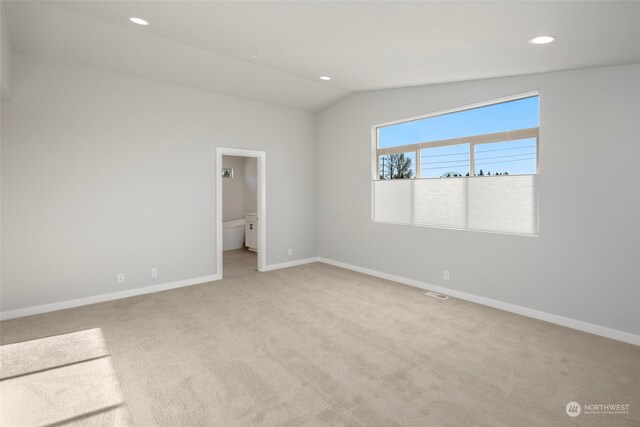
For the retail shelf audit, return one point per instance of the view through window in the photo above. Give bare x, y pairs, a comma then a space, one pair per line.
498, 139
495, 140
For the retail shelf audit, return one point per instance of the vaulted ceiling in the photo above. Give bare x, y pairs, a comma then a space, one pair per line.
208, 45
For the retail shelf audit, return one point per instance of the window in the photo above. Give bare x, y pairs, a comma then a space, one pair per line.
472, 168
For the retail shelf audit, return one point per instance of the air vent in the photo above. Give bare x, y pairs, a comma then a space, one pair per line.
436, 295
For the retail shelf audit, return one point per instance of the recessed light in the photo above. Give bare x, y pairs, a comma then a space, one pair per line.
253, 55
325, 78
138, 21
542, 40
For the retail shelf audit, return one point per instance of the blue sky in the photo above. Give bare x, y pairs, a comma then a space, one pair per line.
515, 157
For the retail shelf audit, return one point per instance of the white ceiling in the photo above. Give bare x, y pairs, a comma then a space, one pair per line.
361, 45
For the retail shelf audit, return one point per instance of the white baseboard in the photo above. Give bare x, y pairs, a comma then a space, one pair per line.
524, 311
290, 263
28, 311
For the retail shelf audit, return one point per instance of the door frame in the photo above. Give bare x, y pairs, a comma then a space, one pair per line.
262, 203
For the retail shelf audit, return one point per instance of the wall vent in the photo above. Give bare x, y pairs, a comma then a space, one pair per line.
436, 295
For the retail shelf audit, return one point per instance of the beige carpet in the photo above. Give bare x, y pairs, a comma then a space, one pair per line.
319, 345
238, 262
64, 379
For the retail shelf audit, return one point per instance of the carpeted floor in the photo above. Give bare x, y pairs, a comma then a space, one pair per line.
319, 345
238, 262
63, 379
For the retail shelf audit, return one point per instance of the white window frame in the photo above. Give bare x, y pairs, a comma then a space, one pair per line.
471, 140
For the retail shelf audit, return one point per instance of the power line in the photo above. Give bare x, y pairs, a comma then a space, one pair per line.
479, 164
441, 155
446, 161
484, 158
424, 156
450, 166
503, 149
504, 161
503, 157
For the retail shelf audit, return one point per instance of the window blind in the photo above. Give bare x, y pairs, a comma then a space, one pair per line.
506, 204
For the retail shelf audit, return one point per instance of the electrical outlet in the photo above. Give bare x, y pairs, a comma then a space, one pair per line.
120, 278
446, 275
290, 252
154, 272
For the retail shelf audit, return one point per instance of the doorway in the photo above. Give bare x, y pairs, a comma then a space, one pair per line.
258, 221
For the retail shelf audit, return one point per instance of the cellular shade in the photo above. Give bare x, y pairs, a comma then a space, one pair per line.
440, 202
504, 204
392, 200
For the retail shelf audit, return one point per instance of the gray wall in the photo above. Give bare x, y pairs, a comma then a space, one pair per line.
233, 189
5, 56
250, 185
240, 193
104, 173
585, 263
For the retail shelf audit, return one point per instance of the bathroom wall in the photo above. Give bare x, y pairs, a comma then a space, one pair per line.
250, 184
240, 193
233, 189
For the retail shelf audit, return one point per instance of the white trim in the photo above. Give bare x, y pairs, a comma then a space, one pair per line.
28, 311
262, 204
288, 264
524, 311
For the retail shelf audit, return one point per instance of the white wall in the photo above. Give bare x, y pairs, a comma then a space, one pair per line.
585, 263
233, 189
104, 173
250, 185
